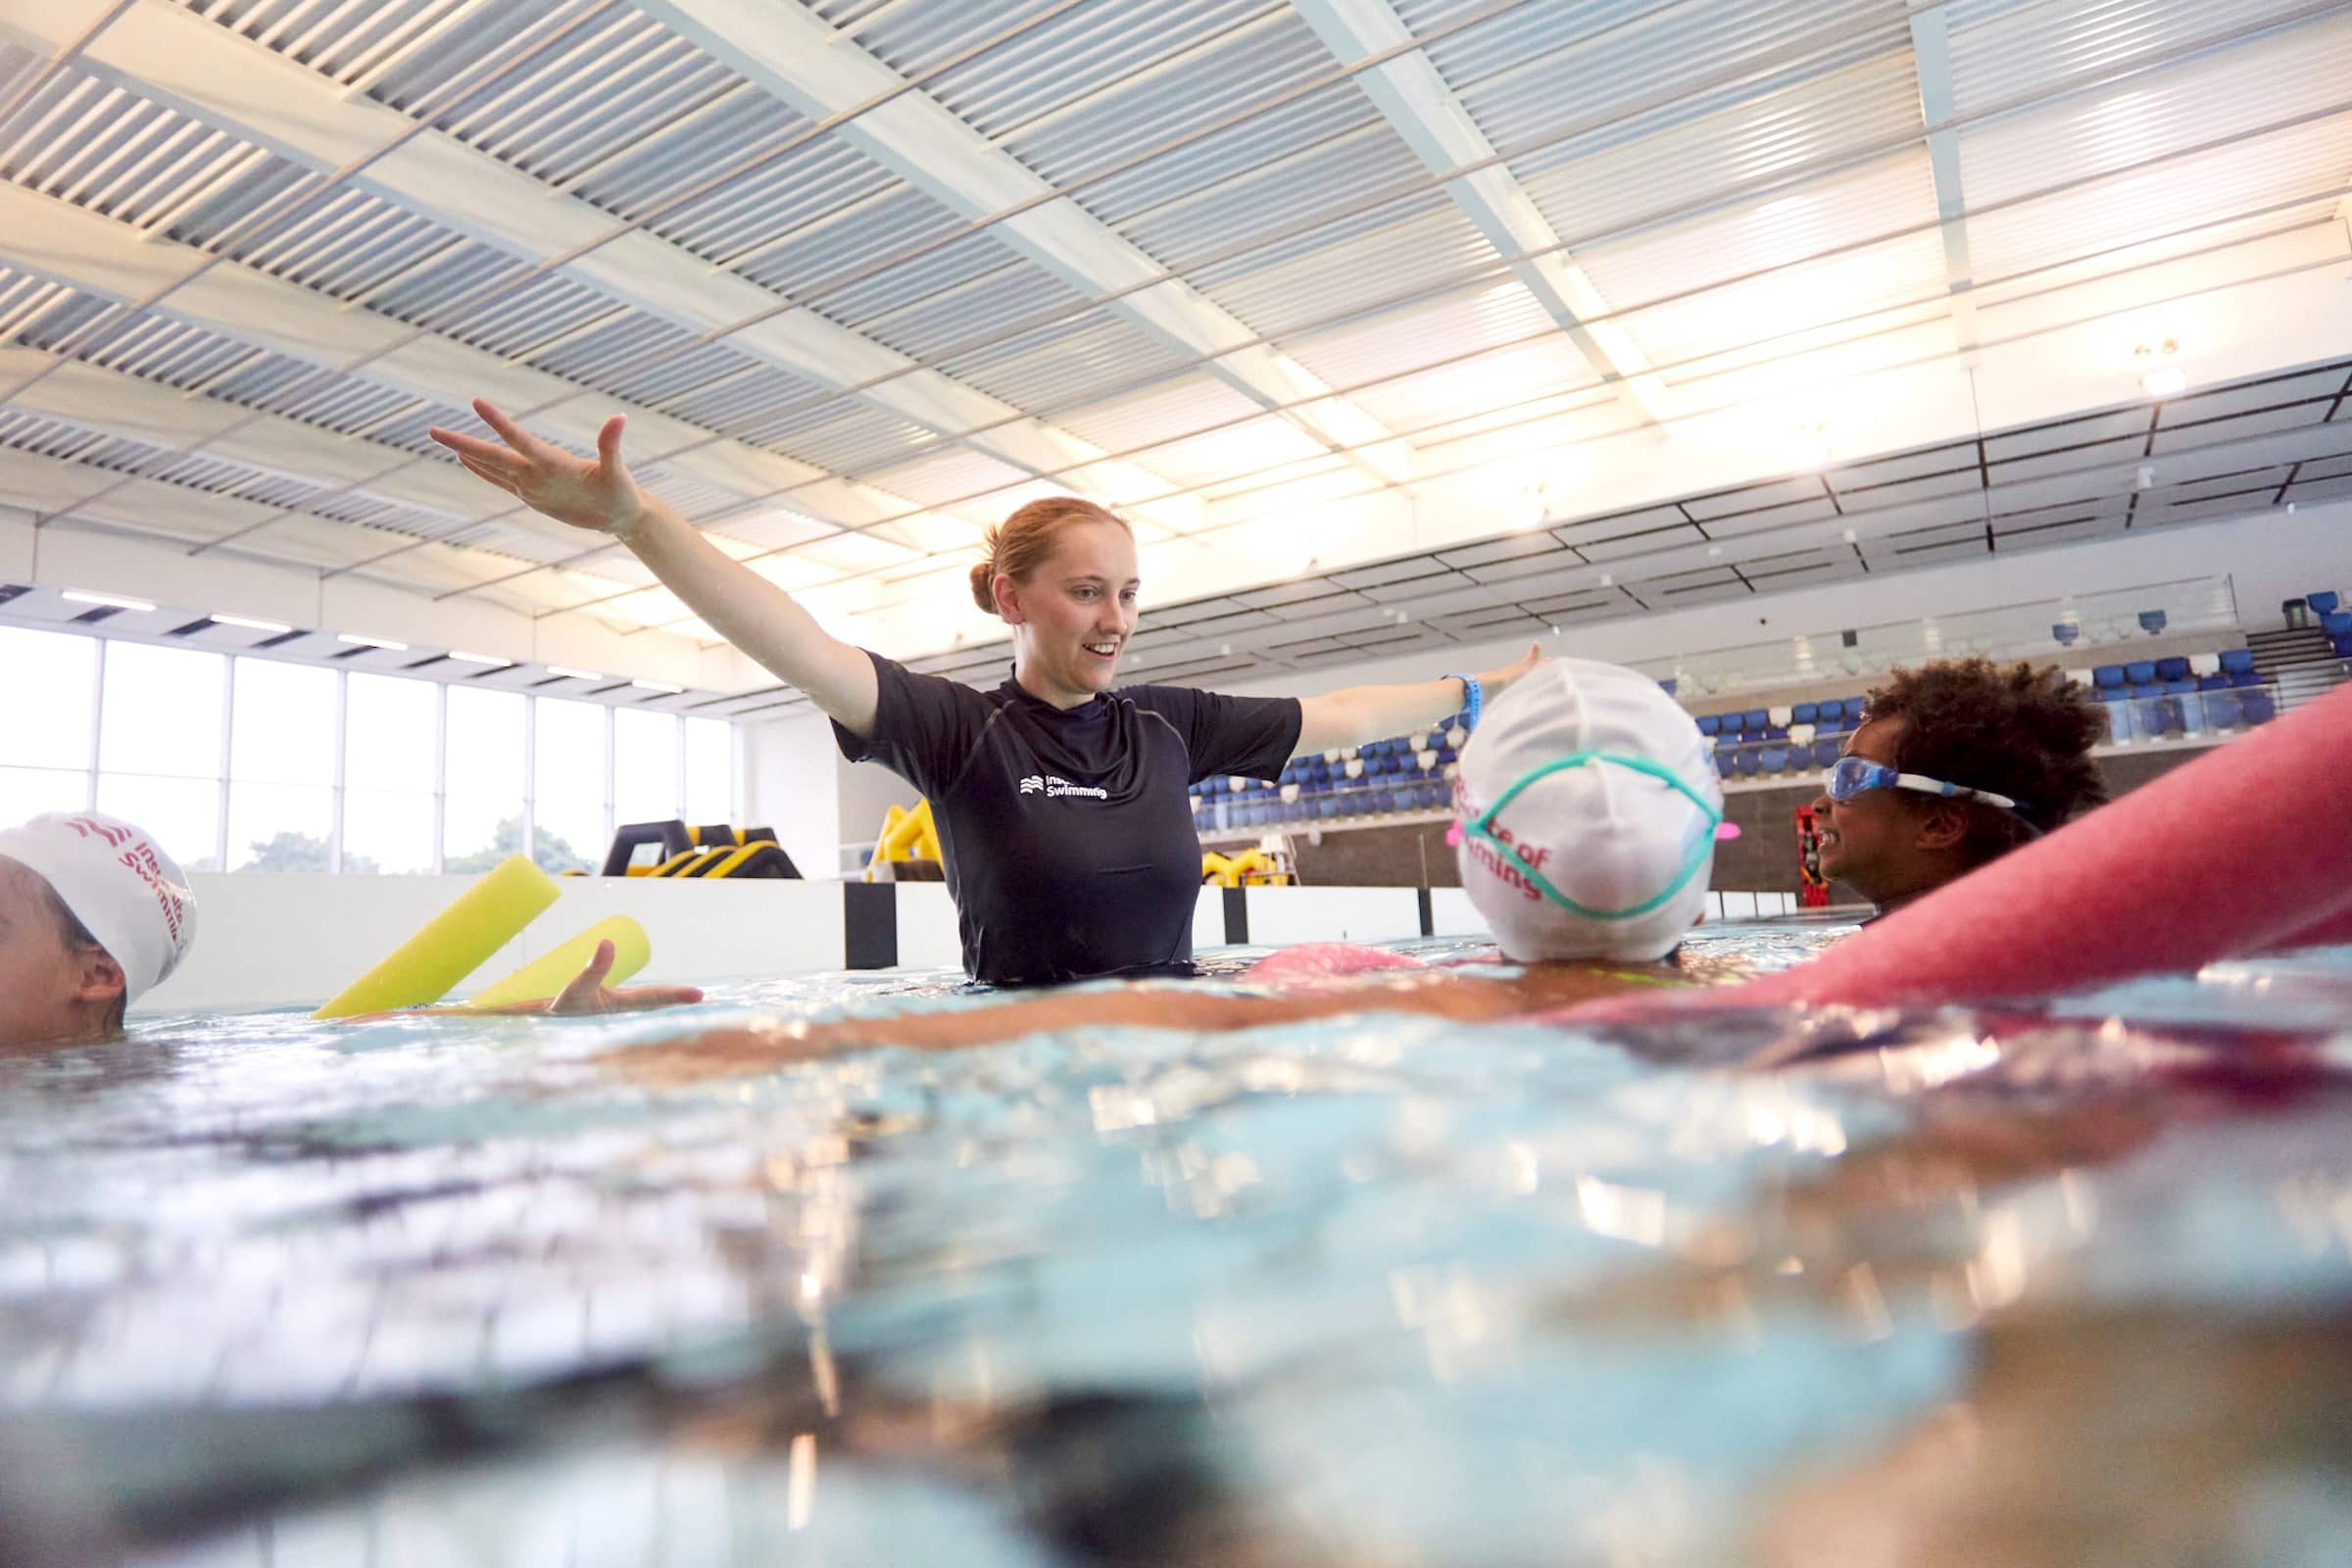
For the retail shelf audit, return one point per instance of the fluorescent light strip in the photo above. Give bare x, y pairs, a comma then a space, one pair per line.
251, 625
358, 641
656, 686
573, 675
491, 660
82, 596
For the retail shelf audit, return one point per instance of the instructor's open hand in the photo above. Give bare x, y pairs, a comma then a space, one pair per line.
1498, 681
597, 495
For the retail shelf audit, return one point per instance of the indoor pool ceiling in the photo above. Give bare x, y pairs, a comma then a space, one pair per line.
1387, 322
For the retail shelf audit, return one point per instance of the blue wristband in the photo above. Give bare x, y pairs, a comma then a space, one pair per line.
1472, 699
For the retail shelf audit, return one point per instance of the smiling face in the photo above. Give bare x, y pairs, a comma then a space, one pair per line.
1072, 615
1889, 845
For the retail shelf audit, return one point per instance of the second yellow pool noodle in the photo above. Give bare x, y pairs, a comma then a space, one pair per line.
552, 971
452, 944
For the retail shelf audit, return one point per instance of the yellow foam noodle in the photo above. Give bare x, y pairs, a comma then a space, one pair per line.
452, 944
544, 976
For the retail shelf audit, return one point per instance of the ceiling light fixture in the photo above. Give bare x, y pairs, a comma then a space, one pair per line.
2159, 378
358, 641
564, 674
251, 625
656, 686
490, 659
82, 596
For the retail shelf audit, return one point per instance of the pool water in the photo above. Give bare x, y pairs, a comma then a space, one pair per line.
2070, 1284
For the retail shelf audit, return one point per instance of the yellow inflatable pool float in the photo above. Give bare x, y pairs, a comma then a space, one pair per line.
452, 944
907, 836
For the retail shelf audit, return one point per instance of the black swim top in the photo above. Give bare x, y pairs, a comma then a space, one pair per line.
1069, 839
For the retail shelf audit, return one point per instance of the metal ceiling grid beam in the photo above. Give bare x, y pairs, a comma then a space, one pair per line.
1932, 57
1938, 354
797, 57
226, 80
94, 398
1422, 109
59, 491
1812, 47
97, 257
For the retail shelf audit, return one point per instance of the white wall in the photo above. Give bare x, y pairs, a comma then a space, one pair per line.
866, 790
2269, 556
272, 941
790, 776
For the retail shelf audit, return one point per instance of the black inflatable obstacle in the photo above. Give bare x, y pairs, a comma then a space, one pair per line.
707, 851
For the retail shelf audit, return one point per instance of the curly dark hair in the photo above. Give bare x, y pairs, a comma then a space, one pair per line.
2020, 731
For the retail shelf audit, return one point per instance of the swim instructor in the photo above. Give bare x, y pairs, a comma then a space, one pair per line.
1059, 797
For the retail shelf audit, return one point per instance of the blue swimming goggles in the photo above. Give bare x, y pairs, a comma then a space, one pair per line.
1703, 848
1850, 776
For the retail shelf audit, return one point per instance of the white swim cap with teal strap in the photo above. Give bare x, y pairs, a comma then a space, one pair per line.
1588, 808
118, 882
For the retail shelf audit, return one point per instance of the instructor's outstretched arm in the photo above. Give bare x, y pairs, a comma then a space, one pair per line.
736, 602
1360, 714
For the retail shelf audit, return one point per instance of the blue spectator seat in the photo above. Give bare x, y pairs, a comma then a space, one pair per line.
1824, 752
2342, 645
2140, 672
1853, 707
2171, 668
2322, 602
2336, 623
1710, 723
1748, 762
2146, 689
2258, 708
1774, 758
2177, 685
2108, 676
1804, 714
2234, 660
2222, 710
2213, 683
1755, 718
2245, 677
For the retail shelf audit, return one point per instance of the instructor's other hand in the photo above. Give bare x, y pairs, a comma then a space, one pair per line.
1496, 682
599, 495
588, 993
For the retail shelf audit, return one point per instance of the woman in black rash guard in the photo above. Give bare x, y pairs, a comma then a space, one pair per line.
1061, 800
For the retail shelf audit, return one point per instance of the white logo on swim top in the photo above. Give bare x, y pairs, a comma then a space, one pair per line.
1051, 786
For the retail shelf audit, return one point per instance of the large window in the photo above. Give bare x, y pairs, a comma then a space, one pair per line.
282, 767
483, 807
46, 733
710, 770
248, 764
389, 766
568, 774
645, 767
160, 745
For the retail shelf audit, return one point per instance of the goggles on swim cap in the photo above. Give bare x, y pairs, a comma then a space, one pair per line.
1703, 848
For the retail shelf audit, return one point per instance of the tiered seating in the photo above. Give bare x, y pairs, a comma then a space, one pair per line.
2168, 698
1381, 778
1764, 742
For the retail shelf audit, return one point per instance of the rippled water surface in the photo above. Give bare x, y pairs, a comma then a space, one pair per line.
2066, 1286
